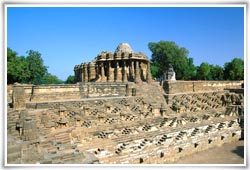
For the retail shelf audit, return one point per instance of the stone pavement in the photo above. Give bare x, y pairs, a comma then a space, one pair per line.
230, 153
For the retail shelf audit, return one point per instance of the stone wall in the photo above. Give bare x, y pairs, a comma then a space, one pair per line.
173, 87
41, 93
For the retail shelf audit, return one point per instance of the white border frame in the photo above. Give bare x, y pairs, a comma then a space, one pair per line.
129, 3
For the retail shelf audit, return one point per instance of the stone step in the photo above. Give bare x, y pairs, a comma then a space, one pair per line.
98, 144
62, 134
45, 131
63, 139
47, 146
67, 157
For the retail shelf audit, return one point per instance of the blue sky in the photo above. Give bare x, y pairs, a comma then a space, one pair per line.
66, 36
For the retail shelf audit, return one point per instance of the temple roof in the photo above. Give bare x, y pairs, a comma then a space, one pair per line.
123, 47
122, 52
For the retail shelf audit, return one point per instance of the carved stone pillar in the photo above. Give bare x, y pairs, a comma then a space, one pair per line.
137, 72
102, 73
149, 76
131, 71
81, 73
124, 72
85, 73
89, 72
77, 78
115, 70
75, 70
96, 72
108, 71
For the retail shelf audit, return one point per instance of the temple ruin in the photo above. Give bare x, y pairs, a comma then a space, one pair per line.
121, 66
116, 114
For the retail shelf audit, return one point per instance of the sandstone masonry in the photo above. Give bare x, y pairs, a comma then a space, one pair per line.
121, 66
109, 117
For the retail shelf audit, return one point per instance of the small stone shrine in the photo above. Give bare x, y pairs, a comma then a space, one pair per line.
171, 73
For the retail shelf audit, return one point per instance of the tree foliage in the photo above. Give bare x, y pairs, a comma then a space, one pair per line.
16, 67
165, 53
190, 70
155, 70
203, 71
185, 69
217, 72
36, 69
29, 69
70, 80
234, 70
50, 79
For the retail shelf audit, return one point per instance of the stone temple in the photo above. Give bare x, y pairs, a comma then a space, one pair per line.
121, 66
116, 114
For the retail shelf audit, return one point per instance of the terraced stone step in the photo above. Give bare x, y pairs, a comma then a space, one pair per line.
100, 143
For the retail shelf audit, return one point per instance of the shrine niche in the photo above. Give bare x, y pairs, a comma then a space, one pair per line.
171, 73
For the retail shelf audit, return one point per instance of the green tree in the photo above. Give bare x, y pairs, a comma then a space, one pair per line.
190, 70
165, 53
28, 69
70, 80
203, 71
50, 79
11, 54
217, 72
16, 68
155, 70
162, 54
234, 70
12, 75
187, 70
36, 69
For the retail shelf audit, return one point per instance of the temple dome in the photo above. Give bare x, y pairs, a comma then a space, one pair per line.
123, 47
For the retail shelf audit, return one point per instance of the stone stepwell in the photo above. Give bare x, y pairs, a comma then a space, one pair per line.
143, 125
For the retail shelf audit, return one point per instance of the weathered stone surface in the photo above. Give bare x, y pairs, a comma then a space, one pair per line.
172, 87
139, 128
18, 97
121, 66
123, 48
24, 94
115, 121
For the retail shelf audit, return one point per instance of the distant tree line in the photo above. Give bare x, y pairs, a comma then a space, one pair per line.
165, 53
29, 69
